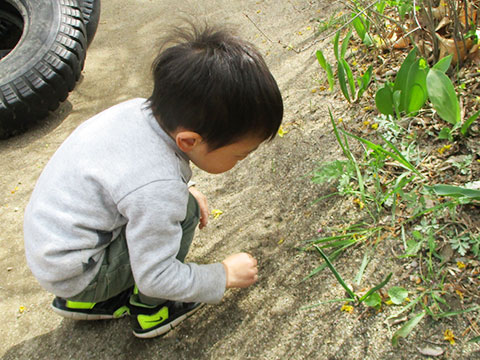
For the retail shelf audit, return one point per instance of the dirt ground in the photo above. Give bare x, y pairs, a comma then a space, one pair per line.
266, 204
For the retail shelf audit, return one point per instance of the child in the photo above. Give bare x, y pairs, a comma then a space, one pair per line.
111, 218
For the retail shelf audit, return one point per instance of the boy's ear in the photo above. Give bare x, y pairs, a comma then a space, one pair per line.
187, 140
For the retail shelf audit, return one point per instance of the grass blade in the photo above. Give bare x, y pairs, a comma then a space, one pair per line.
337, 275
403, 162
378, 287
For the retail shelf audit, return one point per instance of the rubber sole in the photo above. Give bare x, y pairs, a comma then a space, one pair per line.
82, 316
162, 330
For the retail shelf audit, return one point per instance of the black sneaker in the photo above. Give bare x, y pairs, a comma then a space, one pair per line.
148, 322
112, 308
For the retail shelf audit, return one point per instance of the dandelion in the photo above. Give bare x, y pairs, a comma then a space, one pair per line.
216, 213
281, 131
448, 335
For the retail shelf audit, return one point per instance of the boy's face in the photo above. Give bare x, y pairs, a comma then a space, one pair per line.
223, 158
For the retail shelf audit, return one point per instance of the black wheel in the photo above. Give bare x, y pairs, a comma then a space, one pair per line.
91, 17
42, 55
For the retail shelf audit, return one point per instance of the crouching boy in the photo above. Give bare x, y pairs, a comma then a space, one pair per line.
111, 218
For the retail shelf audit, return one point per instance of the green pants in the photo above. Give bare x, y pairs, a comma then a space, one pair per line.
115, 274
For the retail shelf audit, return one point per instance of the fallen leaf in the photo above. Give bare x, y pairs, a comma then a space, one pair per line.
431, 351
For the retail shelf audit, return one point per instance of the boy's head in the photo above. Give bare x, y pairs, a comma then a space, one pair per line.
215, 85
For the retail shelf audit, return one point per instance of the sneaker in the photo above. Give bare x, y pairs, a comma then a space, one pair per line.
148, 322
112, 308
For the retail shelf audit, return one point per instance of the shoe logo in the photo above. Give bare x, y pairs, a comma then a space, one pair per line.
148, 321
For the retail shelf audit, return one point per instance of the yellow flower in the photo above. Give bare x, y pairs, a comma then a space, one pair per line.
309, 28
374, 126
460, 265
354, 63
366, 123
280, 242
459, 293
359, 202
216, 213
444, 148
313, 91
281, 131
259, 11
21, 309
448, 335
340, 120
347, 308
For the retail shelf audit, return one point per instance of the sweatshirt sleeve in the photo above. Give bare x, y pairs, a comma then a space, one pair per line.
154, 213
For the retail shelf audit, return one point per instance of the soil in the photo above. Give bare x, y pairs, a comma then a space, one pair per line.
266, 202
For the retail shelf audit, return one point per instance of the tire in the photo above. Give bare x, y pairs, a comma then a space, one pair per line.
45, 64
91, 16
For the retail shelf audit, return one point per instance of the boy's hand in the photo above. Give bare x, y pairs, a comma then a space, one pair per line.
202, 203
241, 270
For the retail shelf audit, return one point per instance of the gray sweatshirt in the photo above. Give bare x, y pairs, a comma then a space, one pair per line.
118, 169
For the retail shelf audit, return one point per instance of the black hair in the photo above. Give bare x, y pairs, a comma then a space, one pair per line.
215, 84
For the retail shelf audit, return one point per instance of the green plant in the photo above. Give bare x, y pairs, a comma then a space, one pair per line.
414, 84
352, 88
370, 297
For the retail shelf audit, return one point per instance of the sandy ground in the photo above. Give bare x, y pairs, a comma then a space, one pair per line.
266, 204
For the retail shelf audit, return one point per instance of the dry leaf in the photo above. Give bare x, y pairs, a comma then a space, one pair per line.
448, 47
431, 351
444, 22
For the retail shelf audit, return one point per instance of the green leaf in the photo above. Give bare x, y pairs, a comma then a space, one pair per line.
345, 42
443, 64
335, 273
407, 328
445, 133
415, 92
327, 67
374, 300
454, 191
341, 80
443, 97
335, 45
350, 78
359, 26
364, 81
375, 288
402, 77
384, 100
466, 125
397, 294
